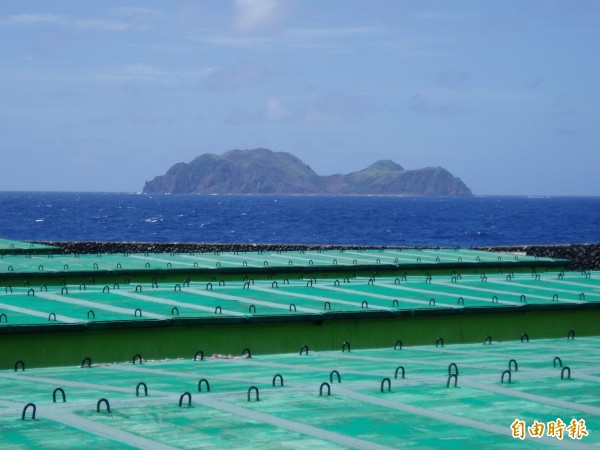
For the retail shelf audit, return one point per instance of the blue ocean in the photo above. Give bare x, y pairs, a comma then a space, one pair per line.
342, 220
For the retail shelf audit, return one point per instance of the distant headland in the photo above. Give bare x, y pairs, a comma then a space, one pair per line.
262, 171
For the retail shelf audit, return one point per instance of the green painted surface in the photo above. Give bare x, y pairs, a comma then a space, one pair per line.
286, 299
418, 410
425, 258
8, 247
37, 269
57, 310
69, 348
56, 325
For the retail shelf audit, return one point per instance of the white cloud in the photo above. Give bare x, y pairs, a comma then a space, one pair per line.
139, 18
99, 25
323, 33
240, 75
275, 110
143, 73
436, 15
255, 15
234, 41
331, 108
336, 107
26, 19
272, 110
293, 38
136, 12
66, 21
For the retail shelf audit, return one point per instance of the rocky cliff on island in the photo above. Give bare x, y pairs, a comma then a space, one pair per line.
262, 171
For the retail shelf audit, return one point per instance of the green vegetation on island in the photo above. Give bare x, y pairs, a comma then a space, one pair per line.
262, 171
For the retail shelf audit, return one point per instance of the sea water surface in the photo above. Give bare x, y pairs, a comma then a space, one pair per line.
344, 220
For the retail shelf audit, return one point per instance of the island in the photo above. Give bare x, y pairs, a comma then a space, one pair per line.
263, 171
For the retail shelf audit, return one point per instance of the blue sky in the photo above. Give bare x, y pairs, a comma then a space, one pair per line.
104, 95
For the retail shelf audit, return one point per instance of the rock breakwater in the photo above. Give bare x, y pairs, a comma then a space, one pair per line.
581, 256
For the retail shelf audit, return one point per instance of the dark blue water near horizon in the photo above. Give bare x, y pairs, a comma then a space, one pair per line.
343, 220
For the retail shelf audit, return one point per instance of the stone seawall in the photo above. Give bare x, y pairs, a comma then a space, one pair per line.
581, 256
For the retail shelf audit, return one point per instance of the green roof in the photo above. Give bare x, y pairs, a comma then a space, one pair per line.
372, 405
